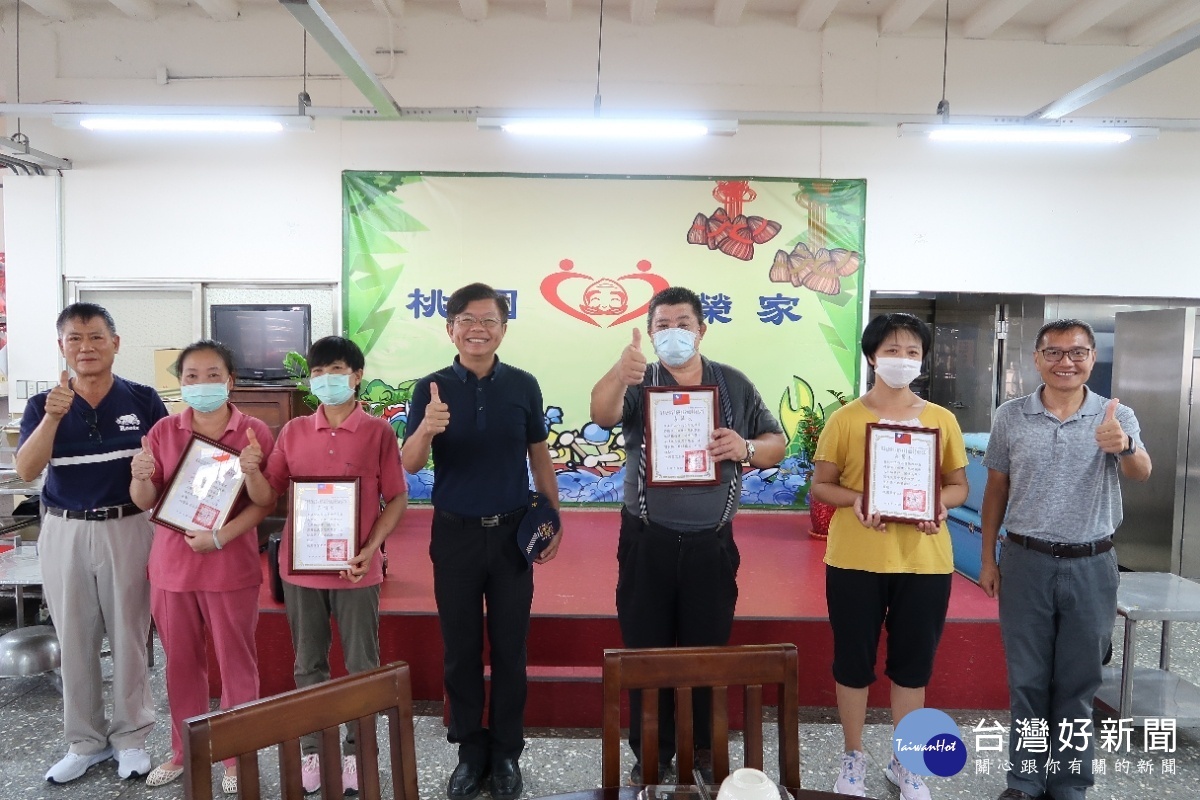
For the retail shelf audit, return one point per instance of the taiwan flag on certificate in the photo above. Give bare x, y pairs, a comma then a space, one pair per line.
680, 399
903, 438
324, 488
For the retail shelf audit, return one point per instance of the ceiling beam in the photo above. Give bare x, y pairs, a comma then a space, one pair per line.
1164, 23
137, 9
813, 14
474, 10
642, 12
901, 15
1160, 55
220, 10
389, 8
325, 33
559, 10
728, 13
988, 18
61, 10
1079, 17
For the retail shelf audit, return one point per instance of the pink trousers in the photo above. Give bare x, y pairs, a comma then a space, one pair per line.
181, 619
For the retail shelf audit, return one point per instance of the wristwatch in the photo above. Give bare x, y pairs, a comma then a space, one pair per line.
1128, 451
749, 450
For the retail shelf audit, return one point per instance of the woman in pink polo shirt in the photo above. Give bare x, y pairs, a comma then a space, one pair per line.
203, 578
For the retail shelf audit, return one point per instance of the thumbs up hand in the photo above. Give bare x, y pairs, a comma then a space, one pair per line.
1110, 436
142, 466
59, 399
252, 454
631, 368
437, 413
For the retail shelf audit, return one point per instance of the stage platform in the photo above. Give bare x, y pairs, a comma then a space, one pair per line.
782, 599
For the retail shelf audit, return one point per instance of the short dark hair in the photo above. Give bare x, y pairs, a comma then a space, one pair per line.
883, 326
469, 294
212, 345
85, 312
1062, 326
675, 296
324, 352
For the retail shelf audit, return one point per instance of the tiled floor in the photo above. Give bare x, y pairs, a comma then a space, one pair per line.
557, 761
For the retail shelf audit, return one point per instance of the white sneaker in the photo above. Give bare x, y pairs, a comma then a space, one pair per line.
72, 766
853, 780
911, 786
133, 763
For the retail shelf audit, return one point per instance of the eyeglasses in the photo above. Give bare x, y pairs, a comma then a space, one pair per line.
467, 321
1055, 354
91, 419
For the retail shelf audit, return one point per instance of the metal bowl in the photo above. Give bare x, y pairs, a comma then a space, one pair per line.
29, 651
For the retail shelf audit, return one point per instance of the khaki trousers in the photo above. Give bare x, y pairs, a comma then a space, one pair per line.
94, 580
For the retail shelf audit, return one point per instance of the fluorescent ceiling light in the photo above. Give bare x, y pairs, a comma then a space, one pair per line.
184, 123
1036, 133
610, 127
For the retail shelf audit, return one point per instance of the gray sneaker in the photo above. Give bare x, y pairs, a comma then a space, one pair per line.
1015, 794
73, 765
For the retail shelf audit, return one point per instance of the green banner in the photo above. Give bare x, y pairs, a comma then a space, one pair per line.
778, 264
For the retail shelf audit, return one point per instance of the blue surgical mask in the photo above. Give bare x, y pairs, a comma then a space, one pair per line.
205, 397
332, 388
675, 346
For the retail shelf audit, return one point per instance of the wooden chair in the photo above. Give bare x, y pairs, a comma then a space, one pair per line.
685, 668
281, 720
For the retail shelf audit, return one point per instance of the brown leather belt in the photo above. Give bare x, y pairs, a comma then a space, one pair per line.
1063, 549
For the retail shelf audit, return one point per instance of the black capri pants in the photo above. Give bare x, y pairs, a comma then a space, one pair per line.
913, 607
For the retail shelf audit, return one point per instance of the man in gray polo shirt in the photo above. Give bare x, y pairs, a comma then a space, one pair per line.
1053, 463
676, 558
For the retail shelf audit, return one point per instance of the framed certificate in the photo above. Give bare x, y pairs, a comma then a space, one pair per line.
201, 493
680, 421
324, 516
902, 480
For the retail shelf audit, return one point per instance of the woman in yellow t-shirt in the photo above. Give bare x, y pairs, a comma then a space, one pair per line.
881, 573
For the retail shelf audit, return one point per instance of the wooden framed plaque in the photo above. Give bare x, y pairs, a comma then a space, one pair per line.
201, 494
902, 477
679, 425
324, 520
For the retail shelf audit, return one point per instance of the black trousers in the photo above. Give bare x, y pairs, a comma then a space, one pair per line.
473, 565
674, 589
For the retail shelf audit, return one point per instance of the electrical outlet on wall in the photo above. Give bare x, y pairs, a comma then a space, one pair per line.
43, 386
22, 390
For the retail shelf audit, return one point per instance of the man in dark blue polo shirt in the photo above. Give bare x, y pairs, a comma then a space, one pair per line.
482, 419
95, 543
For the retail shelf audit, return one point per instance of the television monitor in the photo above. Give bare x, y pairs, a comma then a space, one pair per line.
260, 336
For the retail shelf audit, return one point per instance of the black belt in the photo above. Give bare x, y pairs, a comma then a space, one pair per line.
494, 521
1063, 549
95, 514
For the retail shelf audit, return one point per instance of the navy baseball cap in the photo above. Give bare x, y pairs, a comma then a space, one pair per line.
538, 526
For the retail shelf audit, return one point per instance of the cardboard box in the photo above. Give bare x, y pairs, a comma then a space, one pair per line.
164, 361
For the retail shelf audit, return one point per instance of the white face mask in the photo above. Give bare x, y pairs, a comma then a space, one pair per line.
897, 373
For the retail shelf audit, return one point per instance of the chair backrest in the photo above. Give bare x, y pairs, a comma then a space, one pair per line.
281, 720
685, 668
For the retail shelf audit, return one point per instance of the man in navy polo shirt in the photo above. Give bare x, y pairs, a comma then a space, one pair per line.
482, 419
94, 543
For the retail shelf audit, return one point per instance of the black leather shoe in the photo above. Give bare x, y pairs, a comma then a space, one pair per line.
465, 782
506, 783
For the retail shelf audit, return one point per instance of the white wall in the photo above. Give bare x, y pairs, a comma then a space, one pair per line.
1100, 221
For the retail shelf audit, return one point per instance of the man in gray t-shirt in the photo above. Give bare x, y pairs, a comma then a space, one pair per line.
1054, 461
677, 562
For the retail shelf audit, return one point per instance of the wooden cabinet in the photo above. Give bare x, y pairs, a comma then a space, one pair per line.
274, 405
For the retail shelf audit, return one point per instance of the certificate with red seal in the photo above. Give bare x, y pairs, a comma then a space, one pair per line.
324, 516
679, 424
902, 481
202, 492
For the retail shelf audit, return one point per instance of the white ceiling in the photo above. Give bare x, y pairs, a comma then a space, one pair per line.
1132, 22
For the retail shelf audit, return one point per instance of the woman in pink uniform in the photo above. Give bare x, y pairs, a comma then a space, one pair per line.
204, 578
